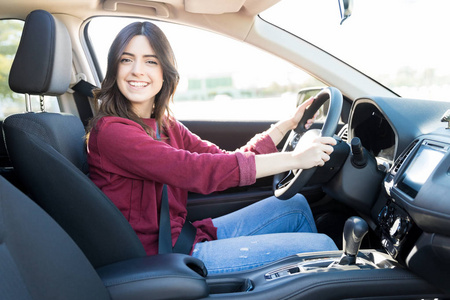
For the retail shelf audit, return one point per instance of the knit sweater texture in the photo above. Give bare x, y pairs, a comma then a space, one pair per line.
130, 167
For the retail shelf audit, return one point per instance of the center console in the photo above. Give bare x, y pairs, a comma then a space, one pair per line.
319, 275
413, 214
402, 185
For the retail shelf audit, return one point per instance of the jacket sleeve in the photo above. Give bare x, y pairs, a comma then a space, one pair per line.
124, 148
259, 144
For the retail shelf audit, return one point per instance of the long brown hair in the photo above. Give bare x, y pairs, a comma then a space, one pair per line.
113, 102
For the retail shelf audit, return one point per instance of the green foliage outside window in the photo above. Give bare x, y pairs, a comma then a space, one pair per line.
10, 33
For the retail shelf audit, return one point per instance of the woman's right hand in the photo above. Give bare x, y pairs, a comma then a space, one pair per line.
307, 154
314, 152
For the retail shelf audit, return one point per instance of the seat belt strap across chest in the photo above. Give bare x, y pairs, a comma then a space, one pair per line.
187, 235
165, 234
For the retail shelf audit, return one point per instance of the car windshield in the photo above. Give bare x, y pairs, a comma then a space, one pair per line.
402, 44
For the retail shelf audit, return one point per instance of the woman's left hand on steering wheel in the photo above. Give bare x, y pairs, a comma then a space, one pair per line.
299, 114
284, 126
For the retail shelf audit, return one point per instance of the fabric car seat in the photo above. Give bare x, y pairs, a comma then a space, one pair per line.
47, 150
38, 260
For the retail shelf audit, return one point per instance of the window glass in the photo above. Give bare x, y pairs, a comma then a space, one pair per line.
221, 78
10, 102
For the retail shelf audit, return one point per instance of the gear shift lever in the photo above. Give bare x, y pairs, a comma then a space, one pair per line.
355, 229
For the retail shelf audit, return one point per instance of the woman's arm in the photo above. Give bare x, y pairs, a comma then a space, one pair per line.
121, 147
309, 154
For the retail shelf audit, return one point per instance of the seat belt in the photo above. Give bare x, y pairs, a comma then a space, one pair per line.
186, 238
187, 235
165, 234
82, 92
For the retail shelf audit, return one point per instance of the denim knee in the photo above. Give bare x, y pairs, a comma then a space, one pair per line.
298, 205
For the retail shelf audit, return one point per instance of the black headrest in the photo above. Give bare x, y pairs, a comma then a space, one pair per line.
43, 62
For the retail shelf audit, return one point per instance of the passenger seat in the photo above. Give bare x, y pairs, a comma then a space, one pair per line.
38, 260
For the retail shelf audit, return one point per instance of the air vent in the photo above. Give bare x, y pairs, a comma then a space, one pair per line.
343, 134
403, 157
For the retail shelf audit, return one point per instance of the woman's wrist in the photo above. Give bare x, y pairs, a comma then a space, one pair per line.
274, 163
285, 125
278, 129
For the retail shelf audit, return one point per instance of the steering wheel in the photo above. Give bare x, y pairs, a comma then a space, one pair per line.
287, 184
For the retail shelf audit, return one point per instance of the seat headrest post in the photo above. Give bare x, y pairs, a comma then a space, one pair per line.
28, 103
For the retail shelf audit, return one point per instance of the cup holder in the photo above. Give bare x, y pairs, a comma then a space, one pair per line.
229, 285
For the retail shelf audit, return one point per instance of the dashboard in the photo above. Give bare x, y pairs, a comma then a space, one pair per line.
417, 190
407, 137
375, 133
411, 212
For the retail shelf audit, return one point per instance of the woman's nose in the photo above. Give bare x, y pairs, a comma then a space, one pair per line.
137, 68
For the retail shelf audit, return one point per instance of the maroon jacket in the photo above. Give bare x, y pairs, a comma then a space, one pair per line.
130, 167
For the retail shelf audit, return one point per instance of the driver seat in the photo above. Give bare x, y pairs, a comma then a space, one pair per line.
48, 150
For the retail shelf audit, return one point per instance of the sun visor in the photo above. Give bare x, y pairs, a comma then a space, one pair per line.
213, 6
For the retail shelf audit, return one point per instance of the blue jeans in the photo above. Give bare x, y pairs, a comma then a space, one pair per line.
261, 233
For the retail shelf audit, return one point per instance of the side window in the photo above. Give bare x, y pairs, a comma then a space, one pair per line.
221, 79
10, 102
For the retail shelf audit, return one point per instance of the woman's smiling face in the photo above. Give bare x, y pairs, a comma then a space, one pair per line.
140, 75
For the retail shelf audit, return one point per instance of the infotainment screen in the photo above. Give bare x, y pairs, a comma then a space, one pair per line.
419, 169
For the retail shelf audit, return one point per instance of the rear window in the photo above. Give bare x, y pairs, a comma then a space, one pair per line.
10, 102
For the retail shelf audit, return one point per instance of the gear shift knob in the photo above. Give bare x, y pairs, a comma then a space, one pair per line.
355, 229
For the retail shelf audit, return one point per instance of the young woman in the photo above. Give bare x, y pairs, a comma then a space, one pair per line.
136, 147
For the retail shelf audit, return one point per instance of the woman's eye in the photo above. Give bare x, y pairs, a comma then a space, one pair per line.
125, 60
152, 62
